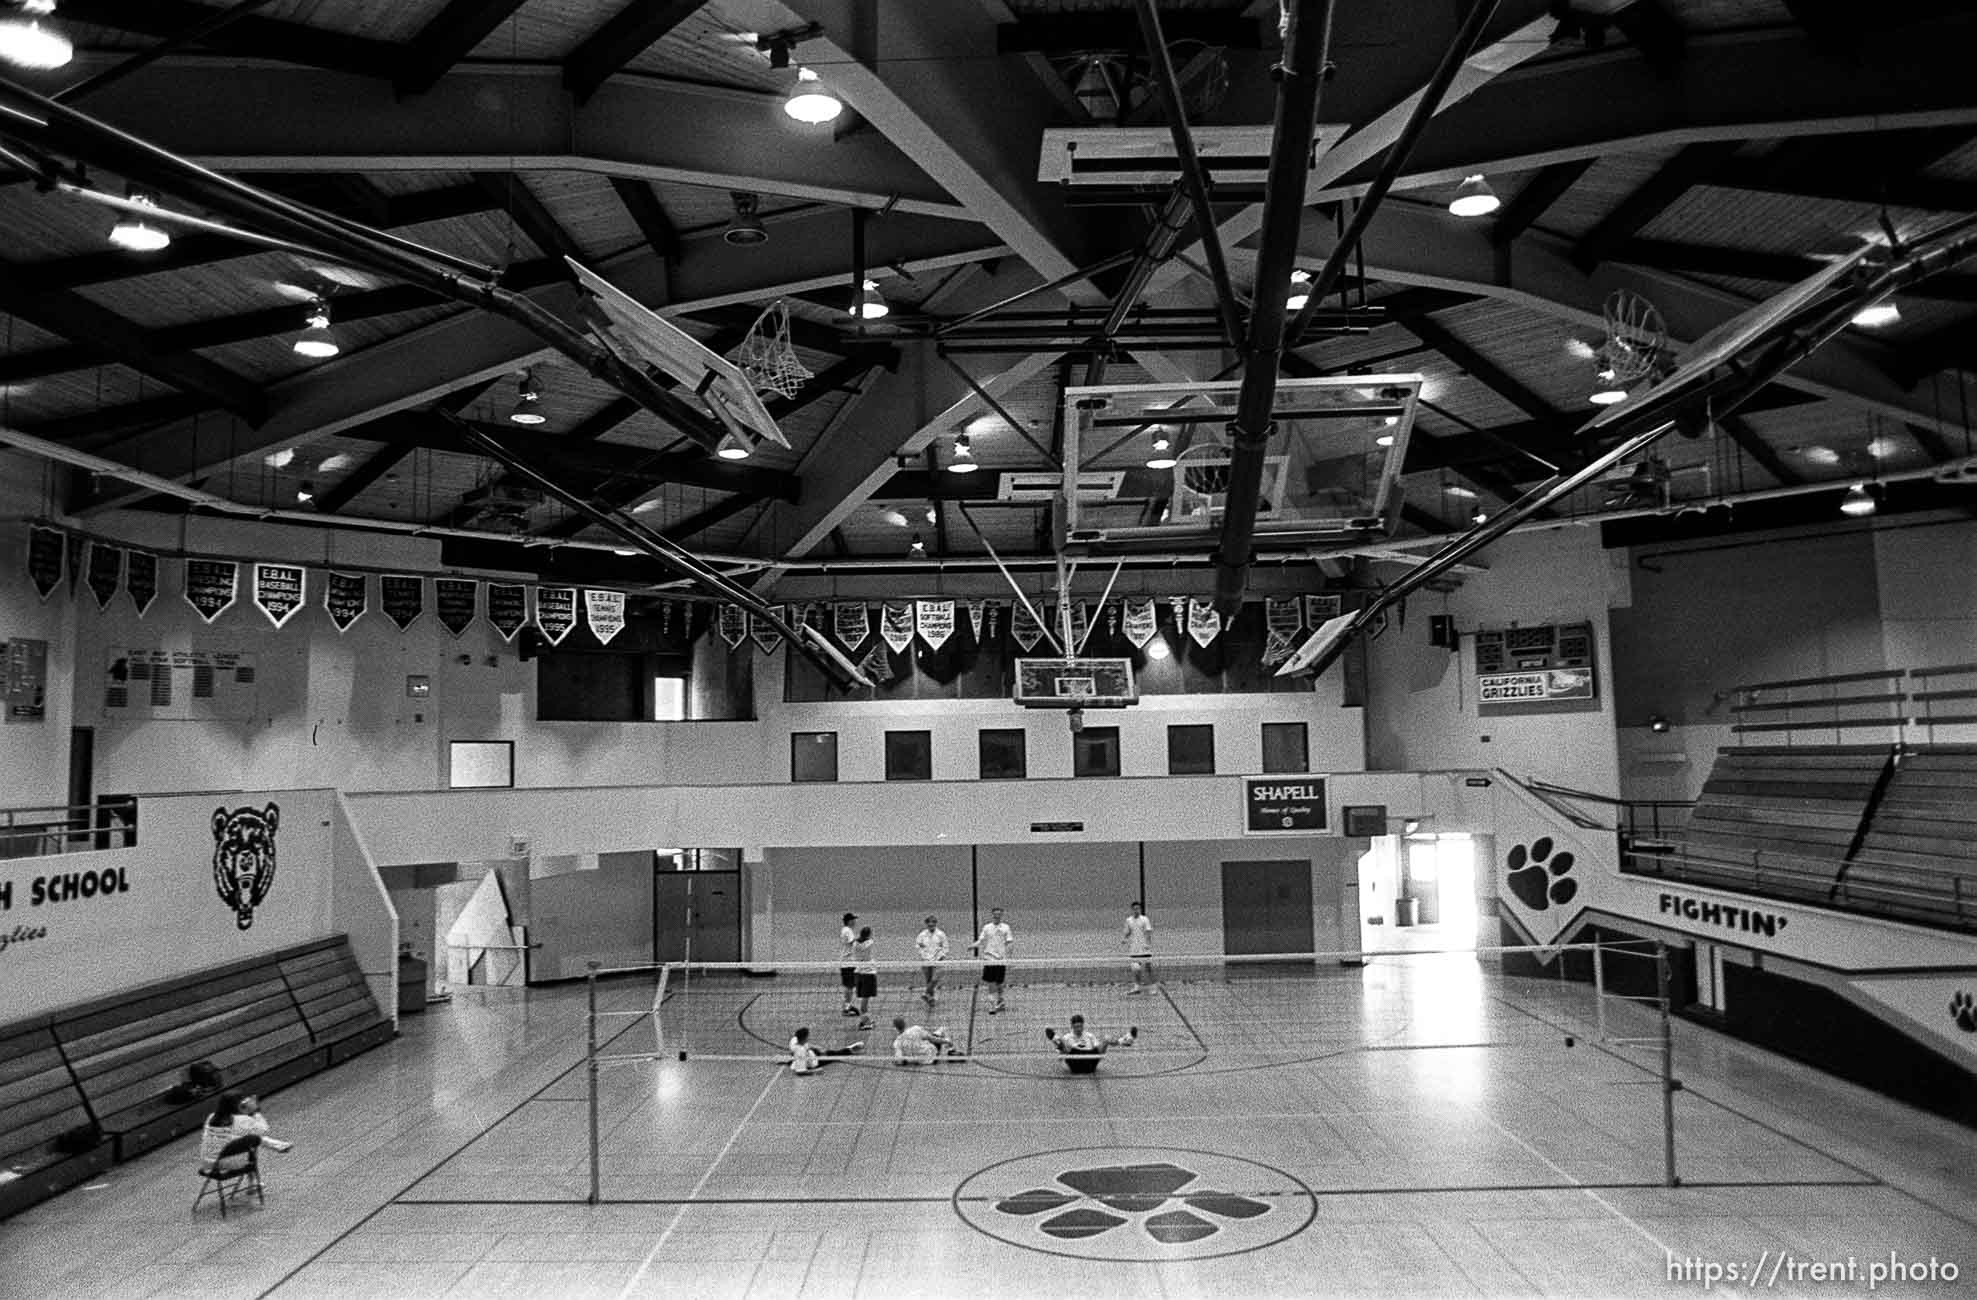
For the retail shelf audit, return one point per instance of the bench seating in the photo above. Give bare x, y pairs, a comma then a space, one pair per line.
117, 1063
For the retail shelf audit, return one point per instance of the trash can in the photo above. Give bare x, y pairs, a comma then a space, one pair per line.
1407, 911
412, 974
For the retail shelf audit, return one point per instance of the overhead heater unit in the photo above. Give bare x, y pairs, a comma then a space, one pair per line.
1048, 485
1235, 157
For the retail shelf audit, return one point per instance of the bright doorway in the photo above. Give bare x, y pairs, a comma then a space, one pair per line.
1438, 877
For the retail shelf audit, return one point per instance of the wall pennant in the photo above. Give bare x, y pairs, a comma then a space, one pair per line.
280, 590
507, 608
1142, 621
456, 603
896, 625
851, 623
555, 612
991, 621
1112, 620
1204, 624
877, 665
605, 612
44, 559
211, 586
733, 626
1179, 604
345, 598
666, 612
1024, 629
934, 620
1282, 617
1319, 608
141, 579
402, 597
106, 572
973, 609
761, 631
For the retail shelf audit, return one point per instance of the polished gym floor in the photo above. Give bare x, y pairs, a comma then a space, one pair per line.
1415, 1128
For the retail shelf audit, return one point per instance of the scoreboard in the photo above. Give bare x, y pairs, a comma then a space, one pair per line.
1544, 669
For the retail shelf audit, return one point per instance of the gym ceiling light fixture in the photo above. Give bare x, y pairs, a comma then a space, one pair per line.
871, 303
134, 233
1875, 315
26, 42
316, 341
810, 103
745, 228
1300, 291
1858, 502
732, 448
918, 550
528, 398
1474, 198
964, 461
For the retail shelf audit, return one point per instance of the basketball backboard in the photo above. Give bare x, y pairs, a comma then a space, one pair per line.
1098, 683
1330, 472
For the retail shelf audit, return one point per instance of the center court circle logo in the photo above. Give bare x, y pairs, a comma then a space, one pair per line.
1135, 1204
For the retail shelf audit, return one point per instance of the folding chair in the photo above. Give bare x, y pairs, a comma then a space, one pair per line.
236, 1171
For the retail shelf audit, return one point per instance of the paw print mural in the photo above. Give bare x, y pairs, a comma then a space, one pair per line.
1539, 877
1963, 1010
1109, 1197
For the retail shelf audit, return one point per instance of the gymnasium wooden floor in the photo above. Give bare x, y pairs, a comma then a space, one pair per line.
1274, 1148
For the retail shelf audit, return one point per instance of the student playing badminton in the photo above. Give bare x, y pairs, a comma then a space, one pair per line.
1081, 1048
994, 944
932, 943
867, 968
918, 1045
805, 1059
847, 971
1139, 948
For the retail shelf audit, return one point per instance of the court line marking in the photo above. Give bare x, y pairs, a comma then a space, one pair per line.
1588, 1189
734, 1137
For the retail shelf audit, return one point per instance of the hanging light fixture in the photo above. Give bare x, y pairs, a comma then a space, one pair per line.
1608, 391
745, 228
732, 448
316, 340
1480, 516
26, 42
528, 402
918, 550
306, 493
1384, 440
1877, 314
810, 103
1858, 501
964, 461
871, 303
1474, 198
1300, 291
135, 233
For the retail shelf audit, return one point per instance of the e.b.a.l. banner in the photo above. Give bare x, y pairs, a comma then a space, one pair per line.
851, 623
605, 611
141, 579
896, 625
934, 619
732, 625
280, 590
763, 632
345, 598
1142, 620
507, 607
44, 559
877, 665
555, 612
211, 586
1204, 624
106, 572
456, 603
402, 596
1281, 620
1024, 629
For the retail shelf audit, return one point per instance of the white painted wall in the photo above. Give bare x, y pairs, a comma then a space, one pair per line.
34, 756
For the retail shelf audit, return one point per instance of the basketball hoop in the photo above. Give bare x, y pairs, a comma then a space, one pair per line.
1201, 480
768, 358
1635, 337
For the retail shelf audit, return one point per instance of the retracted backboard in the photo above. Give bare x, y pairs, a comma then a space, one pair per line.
1098, 683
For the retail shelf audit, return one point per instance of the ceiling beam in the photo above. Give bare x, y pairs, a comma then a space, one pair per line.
1753, 444
218, 116
1068, 32
1780, 268
703, 520
649, 215
1676, 177
396, 433
253, 36
1535, 199
623, 37
1481, 368
528, 214
448, 38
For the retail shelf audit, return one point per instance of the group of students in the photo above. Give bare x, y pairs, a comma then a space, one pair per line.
858, 973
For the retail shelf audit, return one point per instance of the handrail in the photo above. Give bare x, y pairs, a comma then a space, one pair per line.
50, 829
1553, 796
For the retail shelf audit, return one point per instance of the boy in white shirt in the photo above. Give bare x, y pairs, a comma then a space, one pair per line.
994, 945
805, 1059
847, 971
932, 943
1081, 1048
918, 1045
1139, 948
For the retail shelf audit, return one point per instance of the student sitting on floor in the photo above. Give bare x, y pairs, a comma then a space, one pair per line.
805, 1059
918, 1045
1081, 1048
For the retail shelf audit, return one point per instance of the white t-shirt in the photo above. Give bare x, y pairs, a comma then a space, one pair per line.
916, 1043
995, 941
1085, 1042
861, 953
846, 937
802, 1057
1139, 935
932, 944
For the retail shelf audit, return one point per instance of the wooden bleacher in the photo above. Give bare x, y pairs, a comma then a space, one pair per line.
101, 1082
1918, 854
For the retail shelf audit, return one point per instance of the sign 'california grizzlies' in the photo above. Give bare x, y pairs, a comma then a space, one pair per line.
244, 858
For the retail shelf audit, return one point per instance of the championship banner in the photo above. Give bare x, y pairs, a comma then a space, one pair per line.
1080, 627
851, 623
106, 572
991, 621
507, 608
456, 603
345, 598
605, 612
402, 596
1142, 621
733, 626
1204, 624
934, 619
666, 612
1112, 620
141, 579
877, 665
1023, 628
764, 634
555, 612
1282, 618
1180, 607
44, 559
1319, 608
211, 586
973, 609
896, 625
280, 590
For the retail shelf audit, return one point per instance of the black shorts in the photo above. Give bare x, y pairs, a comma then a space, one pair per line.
1081, 1064
994, 974
868, 986
847, 976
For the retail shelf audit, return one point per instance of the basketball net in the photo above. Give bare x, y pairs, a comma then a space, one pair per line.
768, 358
